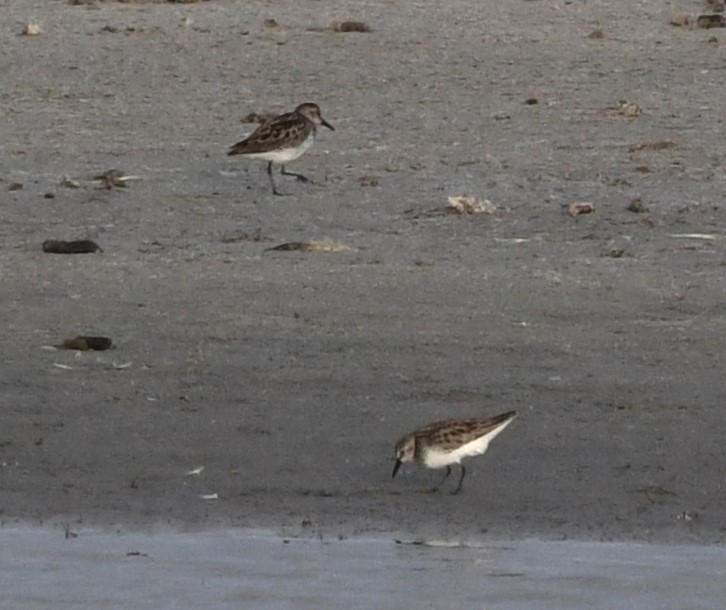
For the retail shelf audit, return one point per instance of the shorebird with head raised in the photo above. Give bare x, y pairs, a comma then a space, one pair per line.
282, 139
443, 443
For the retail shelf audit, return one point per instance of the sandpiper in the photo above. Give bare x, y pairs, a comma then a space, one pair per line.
442, 443
282, 139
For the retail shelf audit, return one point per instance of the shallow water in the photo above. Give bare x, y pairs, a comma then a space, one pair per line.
40, 568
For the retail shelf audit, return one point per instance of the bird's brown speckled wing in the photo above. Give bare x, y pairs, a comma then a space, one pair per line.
451, 433
286, 130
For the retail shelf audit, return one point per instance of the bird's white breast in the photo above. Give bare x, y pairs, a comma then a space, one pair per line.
284, 155
436, 458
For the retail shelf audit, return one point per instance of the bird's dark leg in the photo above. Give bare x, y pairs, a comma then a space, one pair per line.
299, 177
461, 480
272, 181
446, 476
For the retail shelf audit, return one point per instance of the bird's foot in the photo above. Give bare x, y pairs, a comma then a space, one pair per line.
298, 177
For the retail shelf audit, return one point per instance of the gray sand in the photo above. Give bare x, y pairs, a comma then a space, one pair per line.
288, 376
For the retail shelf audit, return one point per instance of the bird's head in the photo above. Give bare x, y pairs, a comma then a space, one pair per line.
312, 112
405, 450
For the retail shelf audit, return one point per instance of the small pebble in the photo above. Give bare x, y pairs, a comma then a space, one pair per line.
84, 343
32, 29
707, 22
350, 26
637, 207
81, 246
577, 209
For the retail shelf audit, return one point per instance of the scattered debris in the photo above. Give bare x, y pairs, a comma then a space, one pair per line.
687, 516
579, 208
629, 109
81, 246
513, 240
65, 367
69, 183
624, 252
120, 366
114, 178
324, 245
194, 471
465, 204
707, 22
637, 206
32, 29
680, 20
448, 544
136, 554
350, 26
369, 181
652, 146
84, 343
270, 23
15, 186
209, 496
459, 205
704, 236
342, 26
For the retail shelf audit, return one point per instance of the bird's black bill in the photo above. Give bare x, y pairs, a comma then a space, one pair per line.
326, 124
396, 466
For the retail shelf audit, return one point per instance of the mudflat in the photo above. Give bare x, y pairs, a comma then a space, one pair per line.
261, 388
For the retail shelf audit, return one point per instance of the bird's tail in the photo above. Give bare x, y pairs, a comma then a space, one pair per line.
236, 149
